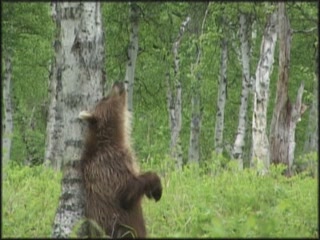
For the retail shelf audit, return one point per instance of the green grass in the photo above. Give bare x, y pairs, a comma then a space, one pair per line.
234, 204
195, 203
29, 201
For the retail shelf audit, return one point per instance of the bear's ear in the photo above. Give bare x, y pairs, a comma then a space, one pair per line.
85, 115
118, 88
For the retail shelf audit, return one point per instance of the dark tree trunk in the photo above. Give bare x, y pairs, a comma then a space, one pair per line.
285, 114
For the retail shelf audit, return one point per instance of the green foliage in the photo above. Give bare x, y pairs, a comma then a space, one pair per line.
308, 164
28, 32
233, 204
29, 35
30, 198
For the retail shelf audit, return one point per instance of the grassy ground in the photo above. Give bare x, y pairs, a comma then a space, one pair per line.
195, 203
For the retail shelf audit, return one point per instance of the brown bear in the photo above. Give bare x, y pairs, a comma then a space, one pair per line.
113, 185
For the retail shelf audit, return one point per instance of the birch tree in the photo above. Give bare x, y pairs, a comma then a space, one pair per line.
174, 101
312, 138
134, 15
79, 56
222, 91
260, 144
246, 85
285, 114
198, 17
8, 110
7, 49
53, 155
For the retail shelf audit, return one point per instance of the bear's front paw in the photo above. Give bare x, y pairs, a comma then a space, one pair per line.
154, 187
156, 193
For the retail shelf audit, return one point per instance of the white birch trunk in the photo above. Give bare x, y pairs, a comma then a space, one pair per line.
245, 59
297, 110
54, 122
260, 144
221, 102
134, 13
174, 102
194, 151
8, 111
199, 12
80, 51
312, 138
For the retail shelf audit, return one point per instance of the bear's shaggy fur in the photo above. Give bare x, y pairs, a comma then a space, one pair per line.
113, 185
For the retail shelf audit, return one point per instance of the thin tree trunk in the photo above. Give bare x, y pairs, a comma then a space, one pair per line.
199, 12
221, 101
174, 101
80, 81
298, 108
246, 85
285, 114
134, 13
54, 119
248, 140
53, 147
260, 144
311, 143
8, 111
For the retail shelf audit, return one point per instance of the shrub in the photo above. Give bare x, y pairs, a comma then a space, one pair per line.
308, 164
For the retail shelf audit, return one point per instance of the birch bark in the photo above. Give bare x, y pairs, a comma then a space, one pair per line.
174, 101
260, 144
246, 85
80, 79
221, 101
8, 111
54, 121
132, 52
312, 138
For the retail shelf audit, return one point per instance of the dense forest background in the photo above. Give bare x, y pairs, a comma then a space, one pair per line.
28, 33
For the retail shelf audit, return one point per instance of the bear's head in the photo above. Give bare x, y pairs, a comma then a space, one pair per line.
109, 122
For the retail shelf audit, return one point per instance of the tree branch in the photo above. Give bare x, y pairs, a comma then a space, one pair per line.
308, 31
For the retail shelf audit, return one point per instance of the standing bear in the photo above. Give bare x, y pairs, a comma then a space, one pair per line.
113, 185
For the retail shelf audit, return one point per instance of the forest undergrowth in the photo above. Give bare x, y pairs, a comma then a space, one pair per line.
210, 201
